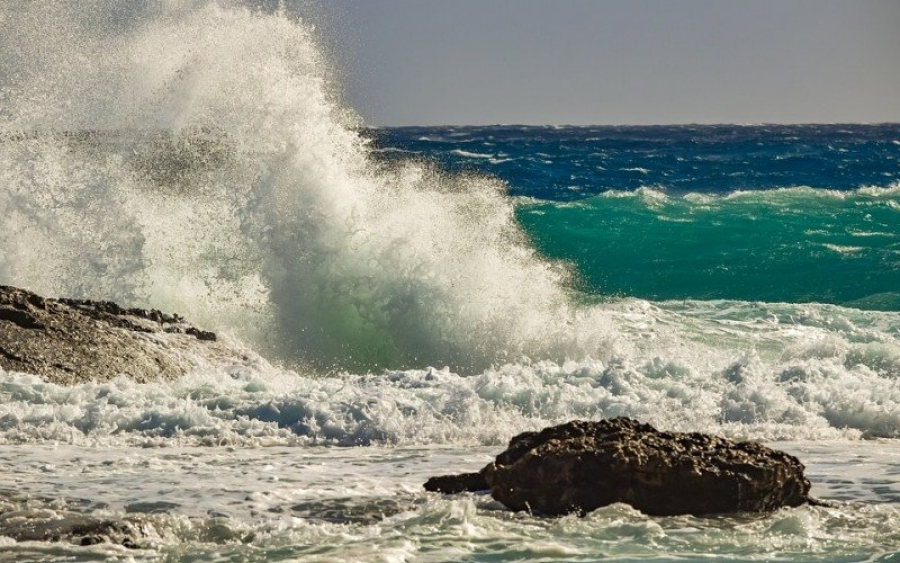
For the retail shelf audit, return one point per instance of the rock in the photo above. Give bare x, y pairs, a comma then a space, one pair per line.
78, 529
452, 484
580, 466
68, 341
351, 510
25, 517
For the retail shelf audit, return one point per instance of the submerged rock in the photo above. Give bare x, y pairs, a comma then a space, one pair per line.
68, 341
78, 529
580, 466
351, 510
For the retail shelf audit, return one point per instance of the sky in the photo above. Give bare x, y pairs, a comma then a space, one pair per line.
444, 62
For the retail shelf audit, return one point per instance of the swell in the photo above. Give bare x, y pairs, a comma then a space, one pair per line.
780, 245
571, 163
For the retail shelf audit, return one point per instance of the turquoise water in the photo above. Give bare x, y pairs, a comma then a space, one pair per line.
792, 245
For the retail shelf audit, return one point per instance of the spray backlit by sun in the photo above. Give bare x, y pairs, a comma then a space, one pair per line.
195, 159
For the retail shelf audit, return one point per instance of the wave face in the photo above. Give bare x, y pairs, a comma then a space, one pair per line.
193, 157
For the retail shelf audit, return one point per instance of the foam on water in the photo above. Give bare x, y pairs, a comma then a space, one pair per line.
367, 505
744, 370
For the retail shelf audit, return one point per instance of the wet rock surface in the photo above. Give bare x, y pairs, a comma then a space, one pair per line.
80, 522
78, 529
351, 510
68, 341
462, 483
580, 466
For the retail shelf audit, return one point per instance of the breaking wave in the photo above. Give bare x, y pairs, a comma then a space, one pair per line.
196, 160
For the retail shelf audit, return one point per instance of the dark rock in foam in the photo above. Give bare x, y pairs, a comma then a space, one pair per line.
580, 466
80, 529
68, 341
462, 483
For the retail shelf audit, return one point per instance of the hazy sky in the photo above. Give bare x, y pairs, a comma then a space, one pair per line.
611, 62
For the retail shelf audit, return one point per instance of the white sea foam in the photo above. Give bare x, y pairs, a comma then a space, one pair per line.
881, 191
856, 233
844, 249
367, 505
468, 154
744, 370
648, 195
773, 196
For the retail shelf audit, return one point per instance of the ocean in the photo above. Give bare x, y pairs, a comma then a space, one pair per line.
774, 213
411, 298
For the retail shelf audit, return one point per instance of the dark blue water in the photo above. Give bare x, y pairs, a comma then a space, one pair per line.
567, 163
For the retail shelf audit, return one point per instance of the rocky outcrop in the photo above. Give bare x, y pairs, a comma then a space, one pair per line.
580, 466
68, 341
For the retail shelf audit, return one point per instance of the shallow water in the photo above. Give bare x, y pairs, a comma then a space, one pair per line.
367, 504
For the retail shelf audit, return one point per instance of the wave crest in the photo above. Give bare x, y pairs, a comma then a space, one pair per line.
203, 165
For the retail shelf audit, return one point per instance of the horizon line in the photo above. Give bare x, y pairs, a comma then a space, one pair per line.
671, 124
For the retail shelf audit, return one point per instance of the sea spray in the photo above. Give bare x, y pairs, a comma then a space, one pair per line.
194, 159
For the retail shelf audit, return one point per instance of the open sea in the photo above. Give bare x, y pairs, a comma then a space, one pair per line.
411, 298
